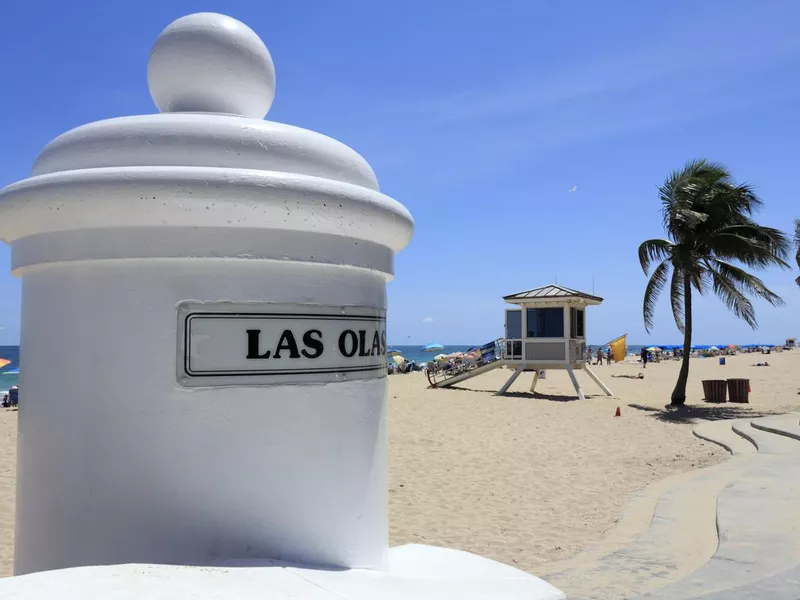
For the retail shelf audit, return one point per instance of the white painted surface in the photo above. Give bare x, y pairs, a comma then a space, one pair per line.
207, 62
119, 463
123, 222
183, 140
414, 572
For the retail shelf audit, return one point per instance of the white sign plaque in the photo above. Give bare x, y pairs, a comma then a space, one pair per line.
225, 343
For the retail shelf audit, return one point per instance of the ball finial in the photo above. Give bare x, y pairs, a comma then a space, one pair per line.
207, 62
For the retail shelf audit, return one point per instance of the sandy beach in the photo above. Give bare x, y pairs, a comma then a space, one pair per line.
528, 479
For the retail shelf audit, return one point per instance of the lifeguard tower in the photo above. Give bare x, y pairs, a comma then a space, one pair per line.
545, 330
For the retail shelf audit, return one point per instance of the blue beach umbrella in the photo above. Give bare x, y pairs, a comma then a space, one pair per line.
432, 348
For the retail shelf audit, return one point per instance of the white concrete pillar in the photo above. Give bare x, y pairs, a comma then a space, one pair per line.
167, 416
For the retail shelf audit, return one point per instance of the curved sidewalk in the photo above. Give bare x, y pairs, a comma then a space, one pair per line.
727, 531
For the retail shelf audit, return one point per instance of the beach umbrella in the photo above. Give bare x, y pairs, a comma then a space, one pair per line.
440, 357
713, 348
4, 362
399, 360
432, 348
654, 349
731, 345
393, 352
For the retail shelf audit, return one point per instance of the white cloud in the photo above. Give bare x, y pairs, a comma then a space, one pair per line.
427, 320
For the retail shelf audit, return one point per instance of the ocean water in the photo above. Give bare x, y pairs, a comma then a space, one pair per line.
9, 375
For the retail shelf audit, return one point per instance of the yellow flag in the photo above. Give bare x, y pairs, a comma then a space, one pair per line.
619, 347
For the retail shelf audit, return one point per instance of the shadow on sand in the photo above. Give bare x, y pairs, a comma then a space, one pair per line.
708, 412
529, 395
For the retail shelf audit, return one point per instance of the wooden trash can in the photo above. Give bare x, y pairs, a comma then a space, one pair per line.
715, 390
739, 390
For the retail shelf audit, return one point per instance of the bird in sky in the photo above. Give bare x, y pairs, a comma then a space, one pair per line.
574, 188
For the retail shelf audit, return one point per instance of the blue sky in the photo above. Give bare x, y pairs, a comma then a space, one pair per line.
479, 117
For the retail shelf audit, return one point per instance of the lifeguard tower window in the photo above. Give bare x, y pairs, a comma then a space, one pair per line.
514, 332
545, 322
576, 323
514, 324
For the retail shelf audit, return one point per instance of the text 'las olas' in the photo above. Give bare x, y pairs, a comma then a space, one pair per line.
311, 344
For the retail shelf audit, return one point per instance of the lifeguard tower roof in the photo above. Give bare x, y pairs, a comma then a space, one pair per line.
552, 294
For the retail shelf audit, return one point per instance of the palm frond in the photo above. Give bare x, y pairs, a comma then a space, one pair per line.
690, 218
683, 195
654, 250
753, 246
797, 239
699, 278
733, 298
656, 284
797, 244
729, 200
747, 282
775, 239
676, 298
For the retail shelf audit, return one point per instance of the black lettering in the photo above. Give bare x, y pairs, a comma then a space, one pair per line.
383, 342
348, 333
287, 343
376, 344
315, 343
362, 343
253, 344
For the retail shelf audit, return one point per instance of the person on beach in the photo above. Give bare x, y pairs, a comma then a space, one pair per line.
13, 396
608, 356
644, 358
599, 356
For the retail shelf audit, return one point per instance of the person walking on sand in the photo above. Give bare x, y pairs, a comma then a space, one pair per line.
608, 357
644, 358
600, 356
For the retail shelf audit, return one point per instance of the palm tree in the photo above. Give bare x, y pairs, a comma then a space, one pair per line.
707, 218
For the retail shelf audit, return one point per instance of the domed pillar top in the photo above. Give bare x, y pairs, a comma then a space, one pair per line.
208, 165
208, 62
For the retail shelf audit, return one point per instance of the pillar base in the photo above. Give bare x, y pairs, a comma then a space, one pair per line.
415, 571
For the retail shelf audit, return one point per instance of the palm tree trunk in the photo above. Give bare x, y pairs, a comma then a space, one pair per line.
679, 393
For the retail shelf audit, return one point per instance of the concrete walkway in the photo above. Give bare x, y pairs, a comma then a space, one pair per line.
730, 531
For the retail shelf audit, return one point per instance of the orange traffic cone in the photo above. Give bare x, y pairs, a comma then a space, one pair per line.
618, 413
